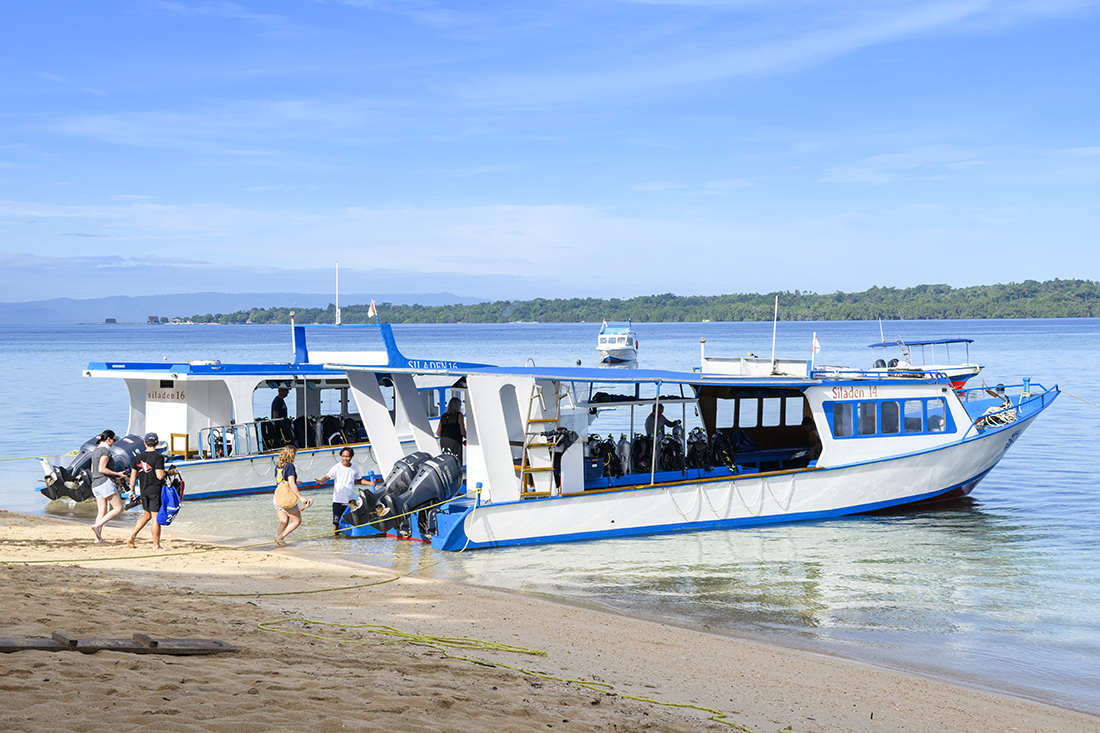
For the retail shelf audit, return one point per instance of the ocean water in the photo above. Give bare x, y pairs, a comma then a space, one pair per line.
999, 591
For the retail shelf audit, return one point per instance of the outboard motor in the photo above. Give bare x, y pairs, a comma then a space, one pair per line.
364, 508
437, 480
124, 450
404, 471
75, 480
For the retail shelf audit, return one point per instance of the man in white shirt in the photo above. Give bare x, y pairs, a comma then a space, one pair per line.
344, 476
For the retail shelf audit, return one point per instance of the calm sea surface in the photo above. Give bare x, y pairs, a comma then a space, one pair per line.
1001, 591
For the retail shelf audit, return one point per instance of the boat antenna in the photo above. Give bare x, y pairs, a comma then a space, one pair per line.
337, 292
775, 322
881, 335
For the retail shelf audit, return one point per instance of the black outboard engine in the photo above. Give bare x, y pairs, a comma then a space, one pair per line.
124, 450
437, 480
364, 509
404, 471
75, 480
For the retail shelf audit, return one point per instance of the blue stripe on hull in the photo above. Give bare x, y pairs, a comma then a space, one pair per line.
457, 540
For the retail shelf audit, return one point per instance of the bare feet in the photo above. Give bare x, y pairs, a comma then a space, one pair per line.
98, 533
130, 543
279, 542
157, 547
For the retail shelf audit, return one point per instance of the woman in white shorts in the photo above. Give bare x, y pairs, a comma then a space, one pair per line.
103, 483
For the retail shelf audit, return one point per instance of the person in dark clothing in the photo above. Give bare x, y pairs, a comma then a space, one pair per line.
452, 429
278, 405
149, 467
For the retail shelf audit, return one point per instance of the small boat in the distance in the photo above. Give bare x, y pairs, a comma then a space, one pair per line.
906, 361
617, 343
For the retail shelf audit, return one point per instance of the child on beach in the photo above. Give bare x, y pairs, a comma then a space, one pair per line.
344, 476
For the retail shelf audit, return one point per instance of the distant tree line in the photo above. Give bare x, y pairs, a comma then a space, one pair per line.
1029, 299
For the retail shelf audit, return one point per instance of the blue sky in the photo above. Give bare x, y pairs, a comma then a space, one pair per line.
545, 149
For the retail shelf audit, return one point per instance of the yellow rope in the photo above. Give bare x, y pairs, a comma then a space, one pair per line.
1078, 398
35, 458
445, 643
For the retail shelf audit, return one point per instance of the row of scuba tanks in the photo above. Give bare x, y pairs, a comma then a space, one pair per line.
419, 482
303, 432
625, 456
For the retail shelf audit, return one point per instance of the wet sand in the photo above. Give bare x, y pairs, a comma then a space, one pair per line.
324, 675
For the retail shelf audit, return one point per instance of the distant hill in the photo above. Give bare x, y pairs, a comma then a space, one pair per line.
126, 309
1029, 299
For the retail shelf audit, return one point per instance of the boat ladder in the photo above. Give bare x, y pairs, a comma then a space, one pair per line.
536, 470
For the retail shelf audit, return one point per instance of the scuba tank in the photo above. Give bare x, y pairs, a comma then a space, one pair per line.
623, 449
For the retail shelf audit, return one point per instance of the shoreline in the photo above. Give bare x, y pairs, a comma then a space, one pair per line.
760, 687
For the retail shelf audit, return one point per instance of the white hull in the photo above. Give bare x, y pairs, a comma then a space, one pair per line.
746, 500
618, 354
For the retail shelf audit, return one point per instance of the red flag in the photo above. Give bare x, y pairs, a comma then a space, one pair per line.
371, 312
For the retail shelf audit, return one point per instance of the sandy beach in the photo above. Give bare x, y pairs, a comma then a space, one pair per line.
333, 669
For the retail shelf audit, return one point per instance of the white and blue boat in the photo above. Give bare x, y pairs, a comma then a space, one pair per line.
204, 411
907, 357
617, 343
770, 440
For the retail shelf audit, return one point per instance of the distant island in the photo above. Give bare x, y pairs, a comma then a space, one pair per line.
1029, 299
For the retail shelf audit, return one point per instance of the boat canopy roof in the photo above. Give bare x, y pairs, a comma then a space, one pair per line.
588, 374
616, 326
932, 342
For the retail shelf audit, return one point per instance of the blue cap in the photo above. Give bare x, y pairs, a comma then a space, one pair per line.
151, 439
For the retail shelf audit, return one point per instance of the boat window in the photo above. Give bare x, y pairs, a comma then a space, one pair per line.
842, 419
795, 406
889, 417
770, 412
936, 410
165, 384
914, 416
749, 410
865, 418
630, 342
430, 398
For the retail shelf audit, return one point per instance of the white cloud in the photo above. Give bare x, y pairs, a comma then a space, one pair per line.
889, 167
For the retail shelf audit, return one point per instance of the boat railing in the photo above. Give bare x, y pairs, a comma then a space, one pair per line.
880, 374
1029, 403
233, 439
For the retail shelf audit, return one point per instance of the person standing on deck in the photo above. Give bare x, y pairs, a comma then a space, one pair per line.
278, 405
657, 422
452, 429
149, 467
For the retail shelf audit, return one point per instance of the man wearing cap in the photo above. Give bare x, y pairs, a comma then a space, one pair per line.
148, 466
278, 405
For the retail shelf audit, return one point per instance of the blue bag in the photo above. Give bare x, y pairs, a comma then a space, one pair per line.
169, 505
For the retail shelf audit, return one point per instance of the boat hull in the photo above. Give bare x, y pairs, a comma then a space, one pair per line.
725, 503
615, 356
